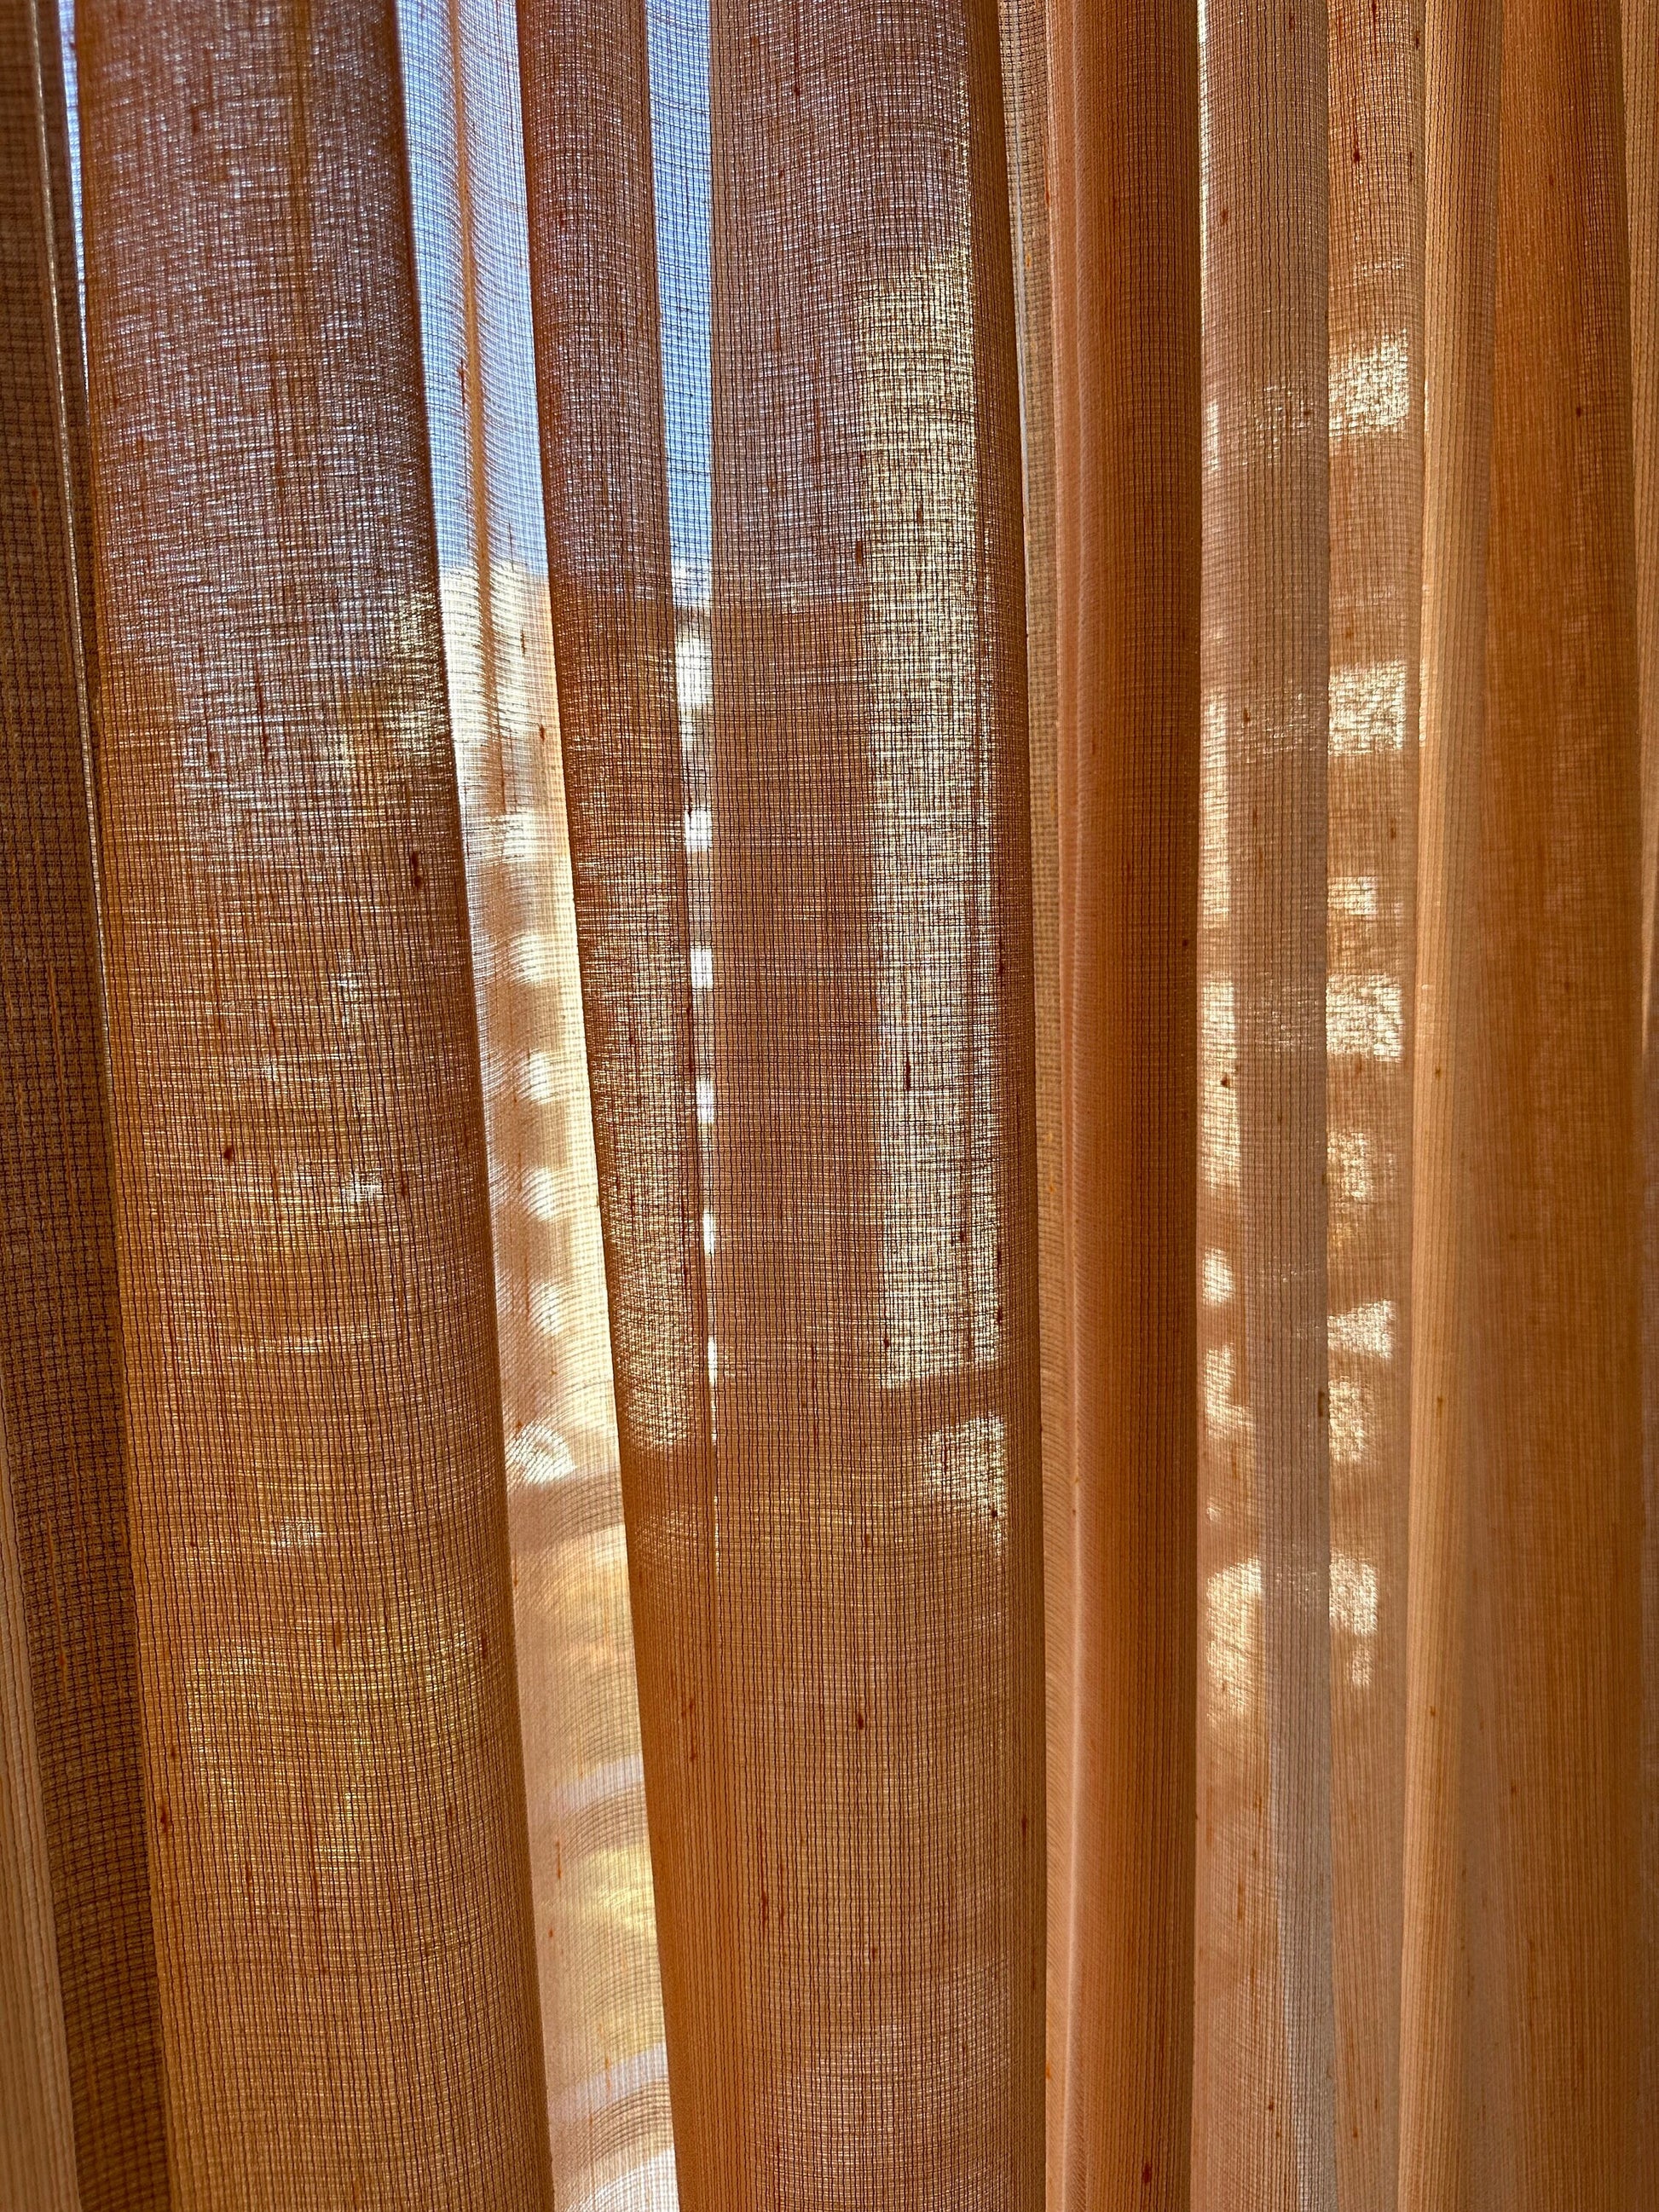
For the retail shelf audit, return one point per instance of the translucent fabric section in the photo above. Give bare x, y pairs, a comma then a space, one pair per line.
72, 1750
1126, 354
607, 2076
1641, 27
586, 76
875, 787
1264, 2125
1374, 414
1461, 54
335, 1803
815, 1122
37, 2145
1028, 96
1422, 1890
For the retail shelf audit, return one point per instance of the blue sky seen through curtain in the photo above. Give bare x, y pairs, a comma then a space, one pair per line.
679, 83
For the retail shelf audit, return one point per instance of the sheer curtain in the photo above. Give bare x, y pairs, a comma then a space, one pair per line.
826, 1131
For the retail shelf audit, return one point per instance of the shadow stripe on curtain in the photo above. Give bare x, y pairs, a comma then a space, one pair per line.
334, 1791
828, 1432
59, 1325
1461, 51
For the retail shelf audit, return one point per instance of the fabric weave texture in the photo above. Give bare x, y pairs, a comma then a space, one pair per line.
829, 1113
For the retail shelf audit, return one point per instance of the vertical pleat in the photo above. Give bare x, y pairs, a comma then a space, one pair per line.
1520, 2015
1127, 356
1028, 94
589, 1855
873, 1188
1462, 50
1264, 2125
1641, 29
335, 1802
37, 2140
1640, 20
585, 78
59, 1331
1555, 1190
815, 1120
1375, 417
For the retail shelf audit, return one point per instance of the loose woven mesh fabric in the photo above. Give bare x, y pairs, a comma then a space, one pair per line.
1489, 1096
586, 81
1375, 448
1028, 94
1324, 881
814, 1125
59, 1350
335, 1801
590, 1856
1264, 2058
37, 2148
1531, 776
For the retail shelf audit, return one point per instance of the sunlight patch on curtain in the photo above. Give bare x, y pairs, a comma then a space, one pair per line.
590, 1856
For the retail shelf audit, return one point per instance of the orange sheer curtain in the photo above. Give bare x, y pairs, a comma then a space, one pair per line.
827, 1145
80, 2024
828, 1392
590, 1856
1125, 225
332, 1804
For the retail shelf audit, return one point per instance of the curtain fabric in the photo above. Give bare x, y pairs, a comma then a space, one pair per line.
327, 1707
590, 1855
827, 1346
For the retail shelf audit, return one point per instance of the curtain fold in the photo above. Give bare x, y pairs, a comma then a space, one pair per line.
1641, 29
1525, 1709
1264, 2102
1028, 92
815, 1121
37, 2148
587, 85
1550, 1184
875, 1271
1462, 50
1127, 455
827, 847
334, 1797
589, 1858
60, 1337
1027, 98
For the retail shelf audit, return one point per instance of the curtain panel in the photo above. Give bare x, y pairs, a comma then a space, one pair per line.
829, 1130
